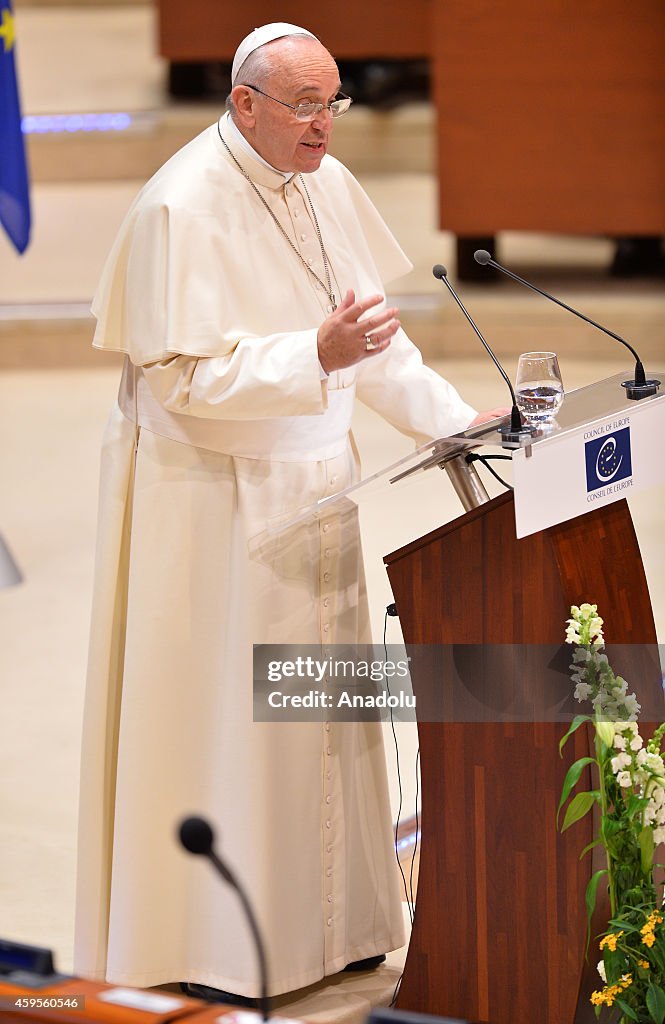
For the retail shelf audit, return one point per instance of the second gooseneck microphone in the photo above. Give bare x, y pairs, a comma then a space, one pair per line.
637, 388
517, 431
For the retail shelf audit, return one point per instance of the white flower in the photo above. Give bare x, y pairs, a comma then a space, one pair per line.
658, 795
601, 971
631, 705
620, 762
580, 654
624, 779
654, 763
641, 757
582, 691
659, 836
636, 743
627, 727
572, 634
619, 741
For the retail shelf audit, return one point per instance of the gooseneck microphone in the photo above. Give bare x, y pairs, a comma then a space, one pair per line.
637, 388
517, 432
197, 836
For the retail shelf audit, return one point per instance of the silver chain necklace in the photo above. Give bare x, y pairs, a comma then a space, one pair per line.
327, 287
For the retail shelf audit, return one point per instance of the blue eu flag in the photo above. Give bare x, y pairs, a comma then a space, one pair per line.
14, 193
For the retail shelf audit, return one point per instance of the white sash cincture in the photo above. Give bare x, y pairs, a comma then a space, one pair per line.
278, 439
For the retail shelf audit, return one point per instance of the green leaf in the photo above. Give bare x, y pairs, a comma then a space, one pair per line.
578, 720
590, 846
656, 1003
610, 827
626, 1009
572, 778
623, 925
590, 900
580, 805
605, 730
645, 839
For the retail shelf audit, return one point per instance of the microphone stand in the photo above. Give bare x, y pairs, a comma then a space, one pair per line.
516, 433
197, 837
637, 388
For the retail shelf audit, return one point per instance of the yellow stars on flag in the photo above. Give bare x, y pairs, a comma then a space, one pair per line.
7, 29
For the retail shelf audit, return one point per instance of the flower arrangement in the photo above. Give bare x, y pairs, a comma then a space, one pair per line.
630, 794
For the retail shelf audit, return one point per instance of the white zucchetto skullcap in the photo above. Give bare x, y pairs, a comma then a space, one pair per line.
261, 36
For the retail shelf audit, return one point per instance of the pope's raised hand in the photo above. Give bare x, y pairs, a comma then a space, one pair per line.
345, 339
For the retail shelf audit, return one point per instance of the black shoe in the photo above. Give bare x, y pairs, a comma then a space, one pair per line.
368, 964
217, 995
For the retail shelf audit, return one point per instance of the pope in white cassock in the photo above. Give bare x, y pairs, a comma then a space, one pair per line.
246, 289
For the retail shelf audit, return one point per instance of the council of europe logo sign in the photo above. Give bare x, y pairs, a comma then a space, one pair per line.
608, 459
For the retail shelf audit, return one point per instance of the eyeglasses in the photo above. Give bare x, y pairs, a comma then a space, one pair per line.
308, 111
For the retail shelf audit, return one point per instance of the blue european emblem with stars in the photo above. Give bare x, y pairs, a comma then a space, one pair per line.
608, 459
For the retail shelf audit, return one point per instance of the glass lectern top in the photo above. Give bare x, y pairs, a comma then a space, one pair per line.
581, 407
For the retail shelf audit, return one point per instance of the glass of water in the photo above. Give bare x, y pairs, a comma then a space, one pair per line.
539, 388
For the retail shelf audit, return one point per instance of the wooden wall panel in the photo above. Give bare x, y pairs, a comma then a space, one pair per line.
551, 116
202, 30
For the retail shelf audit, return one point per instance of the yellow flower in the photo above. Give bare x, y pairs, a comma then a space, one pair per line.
610, 992
610, 941
648, 929
644, 964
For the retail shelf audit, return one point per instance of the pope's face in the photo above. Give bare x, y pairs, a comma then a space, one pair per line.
304, 72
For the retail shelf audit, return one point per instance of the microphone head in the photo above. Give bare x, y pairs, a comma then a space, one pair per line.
482, 256
439, 272
196, 835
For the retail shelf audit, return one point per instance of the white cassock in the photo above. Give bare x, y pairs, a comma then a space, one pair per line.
236, 429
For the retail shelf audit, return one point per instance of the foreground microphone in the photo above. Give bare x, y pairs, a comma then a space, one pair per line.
635, 389
197, 836
517, 431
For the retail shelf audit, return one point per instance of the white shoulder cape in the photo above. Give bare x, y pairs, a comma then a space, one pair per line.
198, 263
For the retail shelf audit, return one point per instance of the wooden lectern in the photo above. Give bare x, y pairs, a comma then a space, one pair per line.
500, 924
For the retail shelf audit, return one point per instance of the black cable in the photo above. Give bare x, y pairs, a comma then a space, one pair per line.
396, 992
399, 775
408, 891
416, 841
473, 457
